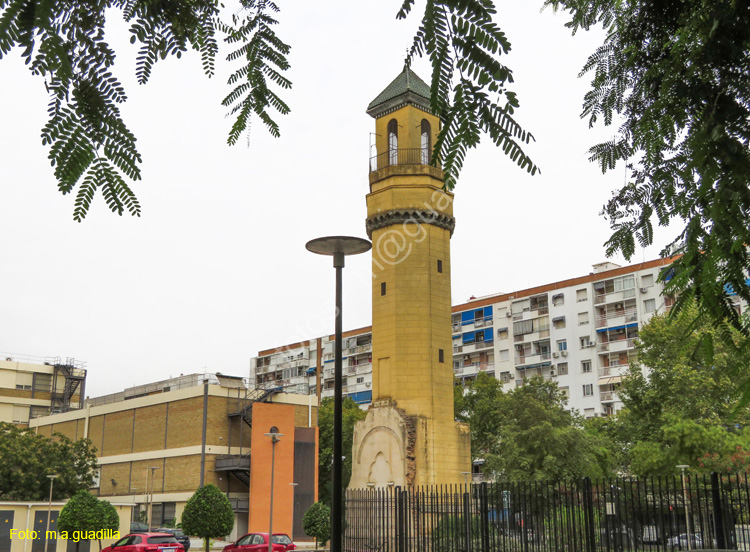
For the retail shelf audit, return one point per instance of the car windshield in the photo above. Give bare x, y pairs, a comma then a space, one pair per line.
281, 539
163, 539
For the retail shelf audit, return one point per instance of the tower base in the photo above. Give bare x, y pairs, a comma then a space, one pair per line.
393, 448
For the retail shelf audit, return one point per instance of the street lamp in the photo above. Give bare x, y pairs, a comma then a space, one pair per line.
275, 438
151, 497
682, 468
339, 247
49, 508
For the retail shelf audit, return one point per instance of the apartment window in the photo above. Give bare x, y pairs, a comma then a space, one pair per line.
503, 354
649, 305
382, 288
21, 414
558, 299
583, 318
559, 322
24, 380
502, 333
647, 280
440, 266
565, 391
585, 341
588, 390
97, 478
586, 366
361, 379
581, 295
505, 377
562, 369
441, 356
562, 345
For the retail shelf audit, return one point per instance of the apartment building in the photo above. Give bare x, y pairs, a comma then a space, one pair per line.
37, 386
158, 443
579, 332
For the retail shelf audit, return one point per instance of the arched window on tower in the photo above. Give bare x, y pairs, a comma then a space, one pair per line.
392, 142
426, 145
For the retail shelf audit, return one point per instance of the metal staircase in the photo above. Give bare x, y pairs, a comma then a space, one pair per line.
74, 376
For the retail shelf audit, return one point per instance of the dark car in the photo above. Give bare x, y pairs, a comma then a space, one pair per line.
258, 542
146, 542
181, 537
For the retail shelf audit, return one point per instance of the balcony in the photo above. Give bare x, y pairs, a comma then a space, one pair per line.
613, 297
240, 504
617, 318
607, 396
399, 157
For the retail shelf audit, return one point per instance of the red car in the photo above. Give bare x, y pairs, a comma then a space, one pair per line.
258, 542
146, 542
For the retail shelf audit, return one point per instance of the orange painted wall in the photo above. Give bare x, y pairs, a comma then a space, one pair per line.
266, 415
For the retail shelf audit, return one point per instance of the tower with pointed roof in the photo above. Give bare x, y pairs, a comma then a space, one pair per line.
410, 436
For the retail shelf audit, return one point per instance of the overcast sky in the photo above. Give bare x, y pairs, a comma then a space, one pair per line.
216, 268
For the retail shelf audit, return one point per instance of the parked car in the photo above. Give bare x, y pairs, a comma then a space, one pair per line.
181, 537
680, 542
146, 542
258, 542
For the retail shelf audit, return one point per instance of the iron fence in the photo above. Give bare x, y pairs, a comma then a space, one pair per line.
657, 514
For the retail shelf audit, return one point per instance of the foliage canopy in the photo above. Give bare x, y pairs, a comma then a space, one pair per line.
84, 512
317, 523
92, 148
675, 75
527, 433
27, 459
686, 404
208, 514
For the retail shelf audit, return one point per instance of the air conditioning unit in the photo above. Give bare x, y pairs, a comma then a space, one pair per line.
555, 355
644, 290
508, 314
368, 384
564, 353
553, 372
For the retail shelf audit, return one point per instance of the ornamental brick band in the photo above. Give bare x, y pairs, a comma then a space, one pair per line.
405, 216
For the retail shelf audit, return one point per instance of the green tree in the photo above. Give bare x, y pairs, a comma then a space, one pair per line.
27, 459
84, 512
674, 75
93, 150
686, 403
317, 523
351, 414
208, 515
528, 432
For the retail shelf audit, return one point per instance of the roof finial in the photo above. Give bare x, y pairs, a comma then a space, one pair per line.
407, 61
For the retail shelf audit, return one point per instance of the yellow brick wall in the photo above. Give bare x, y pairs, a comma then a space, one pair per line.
121, 474
118, 433
185, 426
96, 426
150, 428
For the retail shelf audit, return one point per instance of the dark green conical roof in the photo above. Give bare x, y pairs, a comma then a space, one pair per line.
406, 88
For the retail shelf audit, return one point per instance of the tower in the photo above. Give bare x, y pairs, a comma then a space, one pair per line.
410, 436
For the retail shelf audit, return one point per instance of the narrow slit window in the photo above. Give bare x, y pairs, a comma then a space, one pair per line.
382, 288
392, 142
426, 145
441, 356
440, 266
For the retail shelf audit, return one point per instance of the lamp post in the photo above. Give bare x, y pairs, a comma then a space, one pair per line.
49, 508
275, 438
150, 497
339, 247
682, 468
